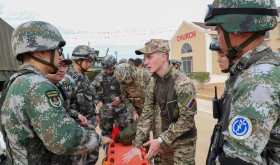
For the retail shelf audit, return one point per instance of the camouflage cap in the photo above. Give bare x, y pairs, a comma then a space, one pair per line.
67, 61
83, 52
154, 45
35, 36
123, 72
242, 16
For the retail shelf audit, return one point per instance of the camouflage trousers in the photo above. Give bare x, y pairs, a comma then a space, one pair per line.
181, 152
89, 158
110, 115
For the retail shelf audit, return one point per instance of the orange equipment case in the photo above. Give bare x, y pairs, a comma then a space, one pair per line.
115, 154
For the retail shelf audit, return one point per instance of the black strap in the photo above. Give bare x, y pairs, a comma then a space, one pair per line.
2, 99
246, 11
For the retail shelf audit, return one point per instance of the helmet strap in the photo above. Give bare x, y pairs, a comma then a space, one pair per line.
51, 63
80, 63
232, 51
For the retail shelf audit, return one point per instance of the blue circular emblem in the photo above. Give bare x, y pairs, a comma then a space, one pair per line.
240, 127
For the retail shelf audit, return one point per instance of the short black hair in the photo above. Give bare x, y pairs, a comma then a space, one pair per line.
138, 62
131, 59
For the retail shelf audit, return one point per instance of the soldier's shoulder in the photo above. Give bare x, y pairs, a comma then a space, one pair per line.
181, 78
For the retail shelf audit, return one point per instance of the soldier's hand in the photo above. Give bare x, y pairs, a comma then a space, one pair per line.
131, 154
83, 119
99, 104
154, 147
135, 116
106, 140
116, 101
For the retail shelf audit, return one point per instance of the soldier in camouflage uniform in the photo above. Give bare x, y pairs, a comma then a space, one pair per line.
174, 93
252, 135
112, 109
82, 101
35, 124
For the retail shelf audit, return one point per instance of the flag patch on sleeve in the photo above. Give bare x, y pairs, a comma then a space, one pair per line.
190, 102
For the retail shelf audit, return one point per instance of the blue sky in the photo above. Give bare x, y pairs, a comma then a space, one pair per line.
120, 25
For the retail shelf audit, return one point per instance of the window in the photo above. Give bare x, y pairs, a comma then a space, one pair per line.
186, 48
187, 64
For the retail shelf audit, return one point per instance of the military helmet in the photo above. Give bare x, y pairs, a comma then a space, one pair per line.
83, 52
123, 60
35, 36
123, 72
214, 45
108, 62
242, 16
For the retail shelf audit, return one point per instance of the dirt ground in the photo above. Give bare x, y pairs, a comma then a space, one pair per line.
206, 91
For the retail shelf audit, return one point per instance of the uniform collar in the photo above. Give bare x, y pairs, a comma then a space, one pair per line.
239, 65
168, 73
34, 69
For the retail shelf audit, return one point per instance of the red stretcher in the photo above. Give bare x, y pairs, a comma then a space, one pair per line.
115, 154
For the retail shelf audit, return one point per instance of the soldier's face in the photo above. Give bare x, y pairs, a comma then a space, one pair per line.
86, 64
59, 75
154, 61
223, 61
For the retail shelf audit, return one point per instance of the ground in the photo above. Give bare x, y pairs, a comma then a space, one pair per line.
206, 91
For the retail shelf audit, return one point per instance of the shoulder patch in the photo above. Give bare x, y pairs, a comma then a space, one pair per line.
187, 101
53, 98
240, 127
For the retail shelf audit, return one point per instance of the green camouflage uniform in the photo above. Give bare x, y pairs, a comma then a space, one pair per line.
37, 124
179, 136
256, 99
252, 135
82, 98
109, 114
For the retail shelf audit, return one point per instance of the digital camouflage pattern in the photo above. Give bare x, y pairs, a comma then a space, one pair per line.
82, 103
256, 97
154, 45
36, 122
44, 37
109, 114
108, 62
179, 136
240, 23
83, 52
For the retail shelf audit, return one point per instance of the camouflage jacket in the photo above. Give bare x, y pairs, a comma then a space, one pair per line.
36, 122
133, 95
109, 85
254, 121
175, 86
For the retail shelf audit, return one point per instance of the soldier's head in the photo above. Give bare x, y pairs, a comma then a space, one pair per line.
123, 60
241, 24
124, 73
138, 62
222, 58
156, 54
83, 56
131, 61
62, 68
109, 63
177, 64
38, 43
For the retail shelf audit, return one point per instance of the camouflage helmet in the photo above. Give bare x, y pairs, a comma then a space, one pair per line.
35, 36
123, 72
83, 52
242, 16
214, 45
108, 62
123, 60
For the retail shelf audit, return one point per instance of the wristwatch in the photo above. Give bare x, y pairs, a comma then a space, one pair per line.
160, 140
